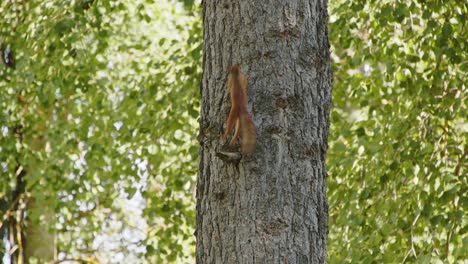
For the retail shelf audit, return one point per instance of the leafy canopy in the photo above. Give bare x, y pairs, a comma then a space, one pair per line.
397, 158
98, 105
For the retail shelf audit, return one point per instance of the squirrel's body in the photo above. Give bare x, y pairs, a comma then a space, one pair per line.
239, 116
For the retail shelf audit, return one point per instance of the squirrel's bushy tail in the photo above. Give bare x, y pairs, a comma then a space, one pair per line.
248, 134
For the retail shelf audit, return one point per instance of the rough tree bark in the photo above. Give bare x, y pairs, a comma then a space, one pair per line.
270, 207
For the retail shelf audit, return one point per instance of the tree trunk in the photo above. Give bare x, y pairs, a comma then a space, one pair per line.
40, 242
269, 207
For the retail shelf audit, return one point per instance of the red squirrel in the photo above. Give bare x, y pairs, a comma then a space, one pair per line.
239, 116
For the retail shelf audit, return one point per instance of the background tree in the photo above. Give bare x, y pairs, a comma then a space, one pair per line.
91, 116
270, 207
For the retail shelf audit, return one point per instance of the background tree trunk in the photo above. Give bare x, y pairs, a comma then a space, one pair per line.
271, 207
40, 242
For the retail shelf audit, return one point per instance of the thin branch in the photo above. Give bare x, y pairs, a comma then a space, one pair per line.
9, 212
19, 239
412, 235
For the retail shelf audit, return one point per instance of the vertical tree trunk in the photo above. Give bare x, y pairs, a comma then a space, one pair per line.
270, 207
40, 242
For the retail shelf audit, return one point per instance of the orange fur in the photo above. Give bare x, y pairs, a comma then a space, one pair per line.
239, 116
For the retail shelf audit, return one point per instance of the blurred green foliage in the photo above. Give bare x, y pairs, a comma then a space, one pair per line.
99, 100
397, 160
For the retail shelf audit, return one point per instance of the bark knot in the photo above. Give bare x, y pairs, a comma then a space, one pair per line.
275, 227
